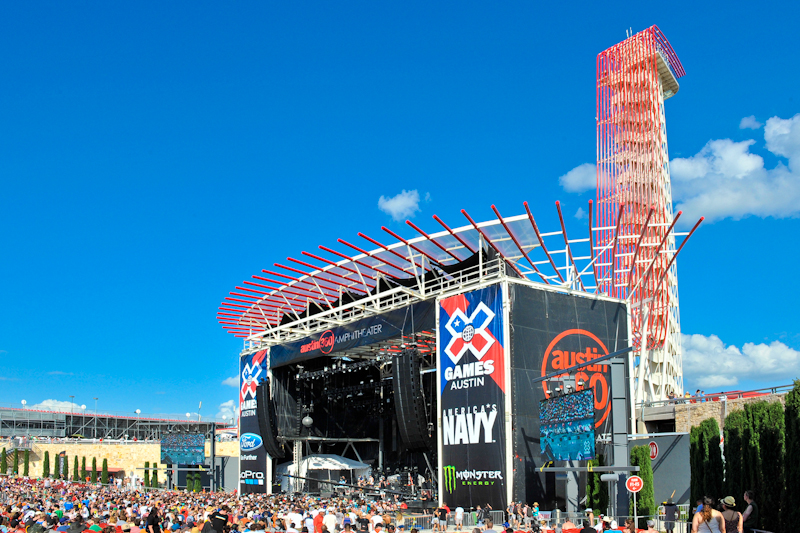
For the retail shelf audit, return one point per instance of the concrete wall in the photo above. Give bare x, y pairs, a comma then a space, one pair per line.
130, 456
691, 414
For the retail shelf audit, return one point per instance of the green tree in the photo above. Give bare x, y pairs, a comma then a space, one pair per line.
84, 472
65, 467
46, 465
16, 462
147, 473
705, 459
790, 507
94, 469
3, 462
645, 499
769, 426
76, 472
198, 482
154, 477
735, 424
104, 473
26, 463
596, 490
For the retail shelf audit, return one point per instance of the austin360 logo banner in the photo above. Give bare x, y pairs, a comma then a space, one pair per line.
252, 456
472, 398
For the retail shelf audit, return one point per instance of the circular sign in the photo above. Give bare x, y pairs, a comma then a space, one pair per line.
634, 484
326, 342
653, 450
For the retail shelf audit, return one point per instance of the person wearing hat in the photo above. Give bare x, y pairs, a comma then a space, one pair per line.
670, 515
733, 518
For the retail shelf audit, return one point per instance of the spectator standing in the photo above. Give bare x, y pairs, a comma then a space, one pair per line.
670, 515
733, 518
708, 519
750, 516
459, 519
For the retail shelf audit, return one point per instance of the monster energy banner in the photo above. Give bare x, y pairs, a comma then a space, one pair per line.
472, 388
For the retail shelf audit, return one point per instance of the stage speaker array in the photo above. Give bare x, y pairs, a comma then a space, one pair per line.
412, 416
266, 420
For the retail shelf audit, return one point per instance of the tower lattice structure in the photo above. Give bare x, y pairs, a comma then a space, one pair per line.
633, 236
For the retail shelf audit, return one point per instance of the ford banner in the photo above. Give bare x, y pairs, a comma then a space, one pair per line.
472, 389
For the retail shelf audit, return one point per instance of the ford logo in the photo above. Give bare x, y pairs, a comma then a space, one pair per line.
249, 442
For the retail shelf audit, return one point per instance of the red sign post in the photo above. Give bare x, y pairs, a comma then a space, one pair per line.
634, 484
653, 450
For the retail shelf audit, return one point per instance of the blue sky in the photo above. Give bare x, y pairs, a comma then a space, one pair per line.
154, 155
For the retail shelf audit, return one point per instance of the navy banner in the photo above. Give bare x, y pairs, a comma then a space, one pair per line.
252, 455
472, 388
416, 317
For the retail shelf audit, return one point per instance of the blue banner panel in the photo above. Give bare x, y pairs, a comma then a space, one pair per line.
252, 455
472, 398
417, 317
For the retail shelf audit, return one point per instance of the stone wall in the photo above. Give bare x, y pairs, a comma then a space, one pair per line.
691, 414
130, 456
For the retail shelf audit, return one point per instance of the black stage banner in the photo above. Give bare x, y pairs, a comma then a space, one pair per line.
416, 317
472, 388
252, 455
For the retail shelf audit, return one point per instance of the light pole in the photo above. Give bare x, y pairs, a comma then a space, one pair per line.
27, 418
94, 435
138, 412
72, 411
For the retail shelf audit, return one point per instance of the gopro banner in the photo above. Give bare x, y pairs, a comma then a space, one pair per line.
472, 389
252, 455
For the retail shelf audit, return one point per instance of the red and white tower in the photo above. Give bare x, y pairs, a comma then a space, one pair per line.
633, 237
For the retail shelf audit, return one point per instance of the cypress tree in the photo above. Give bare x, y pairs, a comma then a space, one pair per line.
94, 469
146, 473
26, 463
84, 473
154, 478
198, 484
46, 465
104, 473
65, 465
3, 462
596, 490
790, 507
76, 473
696, 460
771, 441
713, 467
734, 453
645, 500
16, 462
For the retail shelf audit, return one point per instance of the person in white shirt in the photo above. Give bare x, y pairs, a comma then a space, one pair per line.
459, 519
329, 521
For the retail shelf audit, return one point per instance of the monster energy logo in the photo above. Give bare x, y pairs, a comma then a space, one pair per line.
450, 478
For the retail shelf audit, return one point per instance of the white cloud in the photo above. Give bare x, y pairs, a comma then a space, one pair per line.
580, 214
707, 362
579, 179
228, 410
726, 180
749, 123
401, 206
232, 381
60, 373
56, 405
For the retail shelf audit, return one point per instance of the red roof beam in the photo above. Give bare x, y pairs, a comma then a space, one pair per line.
401, 256
348, 269
591, 247
319, 288
566, 243
541, 242
356, 261
454, 256
508, 230
298, 280
368, 254
330, 273
407, 243
454, 234
487, 239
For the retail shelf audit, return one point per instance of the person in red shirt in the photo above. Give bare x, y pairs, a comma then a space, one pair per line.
318, 522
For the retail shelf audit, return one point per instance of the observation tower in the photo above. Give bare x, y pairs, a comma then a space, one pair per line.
633, 237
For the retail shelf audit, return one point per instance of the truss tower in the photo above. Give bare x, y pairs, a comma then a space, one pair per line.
633, 237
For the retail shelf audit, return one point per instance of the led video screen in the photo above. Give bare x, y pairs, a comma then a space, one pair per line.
567, 427
183, 449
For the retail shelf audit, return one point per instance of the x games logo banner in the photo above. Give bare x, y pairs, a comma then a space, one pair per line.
252, 455
471, 362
